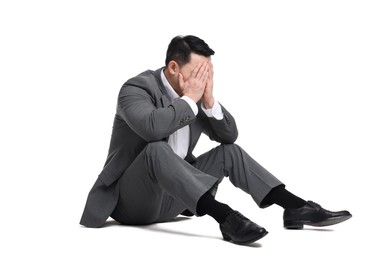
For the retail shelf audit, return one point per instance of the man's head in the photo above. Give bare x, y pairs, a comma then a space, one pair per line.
183, 54
181, 47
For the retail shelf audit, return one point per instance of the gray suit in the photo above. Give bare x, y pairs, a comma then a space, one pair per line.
143, 181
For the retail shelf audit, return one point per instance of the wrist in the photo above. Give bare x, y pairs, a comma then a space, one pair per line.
209, 103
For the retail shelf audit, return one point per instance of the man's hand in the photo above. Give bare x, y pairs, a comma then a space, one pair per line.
194, 86
208, 98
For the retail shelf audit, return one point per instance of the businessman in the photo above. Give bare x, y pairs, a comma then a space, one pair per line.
151, 175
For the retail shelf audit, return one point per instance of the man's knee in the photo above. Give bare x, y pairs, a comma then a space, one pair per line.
233, 152
155, 148
231, 147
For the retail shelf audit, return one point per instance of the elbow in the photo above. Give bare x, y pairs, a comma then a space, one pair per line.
152, 136
231, 138
234, 137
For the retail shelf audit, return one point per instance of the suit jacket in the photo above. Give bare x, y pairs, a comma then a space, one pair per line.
144, 114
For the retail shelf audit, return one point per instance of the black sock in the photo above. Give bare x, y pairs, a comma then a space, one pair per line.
282, 197
208, 205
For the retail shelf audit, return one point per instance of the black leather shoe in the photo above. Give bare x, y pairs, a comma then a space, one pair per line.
240, 230
313, 214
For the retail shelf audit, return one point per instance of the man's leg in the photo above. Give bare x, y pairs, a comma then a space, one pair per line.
159, 185
244, 172
282, 197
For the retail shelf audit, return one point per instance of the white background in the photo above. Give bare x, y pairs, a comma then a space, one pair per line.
307, 81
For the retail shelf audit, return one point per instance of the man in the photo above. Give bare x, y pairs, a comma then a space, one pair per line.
151, 176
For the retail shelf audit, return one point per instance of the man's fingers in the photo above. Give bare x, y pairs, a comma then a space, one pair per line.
207, 75
211, 69
204, 71
195, 71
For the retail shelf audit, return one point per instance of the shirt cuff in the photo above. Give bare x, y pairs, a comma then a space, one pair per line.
215, 111
192, 104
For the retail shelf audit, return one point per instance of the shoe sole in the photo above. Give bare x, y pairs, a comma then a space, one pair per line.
324, 223
228, 239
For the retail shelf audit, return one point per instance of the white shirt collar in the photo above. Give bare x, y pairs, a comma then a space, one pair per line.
172, 95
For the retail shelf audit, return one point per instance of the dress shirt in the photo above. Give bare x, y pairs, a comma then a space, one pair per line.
180, 140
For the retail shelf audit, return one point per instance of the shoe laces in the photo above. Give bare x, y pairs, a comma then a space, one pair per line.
238, 214
313, 204
318, 206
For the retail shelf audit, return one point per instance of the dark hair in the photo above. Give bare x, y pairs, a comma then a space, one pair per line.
181, 47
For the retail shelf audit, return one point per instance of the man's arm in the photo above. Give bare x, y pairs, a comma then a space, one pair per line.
221, 130
137, 107
220, 125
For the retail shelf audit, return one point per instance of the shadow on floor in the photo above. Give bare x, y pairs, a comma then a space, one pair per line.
158, 228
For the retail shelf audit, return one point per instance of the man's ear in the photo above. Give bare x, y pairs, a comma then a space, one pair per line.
173, 67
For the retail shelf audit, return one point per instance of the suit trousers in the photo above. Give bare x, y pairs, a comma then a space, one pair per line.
159, 185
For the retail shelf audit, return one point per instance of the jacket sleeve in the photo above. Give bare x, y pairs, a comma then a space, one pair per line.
223, 131
138, 108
